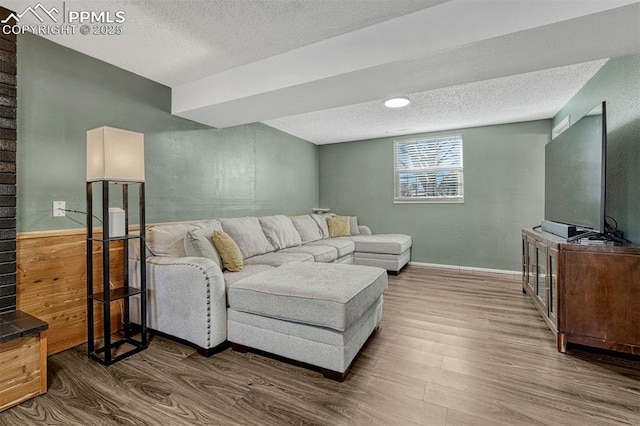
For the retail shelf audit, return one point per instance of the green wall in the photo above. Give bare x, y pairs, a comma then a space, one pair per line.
504, 191
617, 83
192, 171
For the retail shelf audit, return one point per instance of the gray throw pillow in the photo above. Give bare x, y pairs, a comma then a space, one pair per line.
353, 224
198, 245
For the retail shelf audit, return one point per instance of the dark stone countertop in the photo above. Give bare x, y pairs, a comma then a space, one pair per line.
16, 324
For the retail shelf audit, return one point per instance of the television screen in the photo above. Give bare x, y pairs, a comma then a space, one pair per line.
575, 173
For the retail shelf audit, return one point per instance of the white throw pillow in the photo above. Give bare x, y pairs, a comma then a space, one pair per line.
307, 228
280, 231
248, 235
168, 240
208, 227
322, 223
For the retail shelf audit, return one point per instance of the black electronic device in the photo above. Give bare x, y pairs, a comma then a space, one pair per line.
559, 229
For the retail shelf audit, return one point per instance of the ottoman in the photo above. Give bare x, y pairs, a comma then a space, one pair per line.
319, 314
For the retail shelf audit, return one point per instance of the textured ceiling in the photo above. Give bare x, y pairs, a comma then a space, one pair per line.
319, 69
530, 96
176, 41
449, 44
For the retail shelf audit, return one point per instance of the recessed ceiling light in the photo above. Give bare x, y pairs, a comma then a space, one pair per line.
396, 102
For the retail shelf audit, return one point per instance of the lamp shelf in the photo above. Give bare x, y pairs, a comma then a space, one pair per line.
116, 294
100, 354
106, 354
115, 157
121, 238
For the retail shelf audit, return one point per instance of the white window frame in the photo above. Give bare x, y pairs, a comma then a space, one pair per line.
427, 199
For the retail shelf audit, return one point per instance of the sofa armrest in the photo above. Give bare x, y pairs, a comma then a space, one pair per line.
186, 298
364, 230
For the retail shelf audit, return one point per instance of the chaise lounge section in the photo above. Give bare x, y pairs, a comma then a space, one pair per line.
387, 251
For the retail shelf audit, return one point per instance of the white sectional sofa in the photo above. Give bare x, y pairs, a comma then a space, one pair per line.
187, 293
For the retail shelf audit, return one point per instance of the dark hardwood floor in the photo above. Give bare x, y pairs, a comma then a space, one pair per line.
454, 348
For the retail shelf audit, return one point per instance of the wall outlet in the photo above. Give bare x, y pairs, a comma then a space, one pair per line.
59, 208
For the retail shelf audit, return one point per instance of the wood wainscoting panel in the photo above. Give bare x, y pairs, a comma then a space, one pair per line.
51, 284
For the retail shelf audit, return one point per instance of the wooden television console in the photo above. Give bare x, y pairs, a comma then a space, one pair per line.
587, 294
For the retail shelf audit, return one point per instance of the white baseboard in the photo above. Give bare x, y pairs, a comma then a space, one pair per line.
465, 268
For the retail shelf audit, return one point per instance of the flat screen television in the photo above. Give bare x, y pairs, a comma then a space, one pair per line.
575, 163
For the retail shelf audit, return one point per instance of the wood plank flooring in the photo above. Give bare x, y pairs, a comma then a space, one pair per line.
453, 348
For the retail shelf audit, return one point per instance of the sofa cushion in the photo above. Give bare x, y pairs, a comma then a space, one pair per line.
353, 225
197, 244
339, 226
326, 295
347, 260
208, 227
280, 231
382, 243
320, 253
168, 239
248, 235
247, 271
364, 230
344, 245
307, 228
321, 221
229, 251
278, 258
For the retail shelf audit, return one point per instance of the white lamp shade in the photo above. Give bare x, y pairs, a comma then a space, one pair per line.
115, 154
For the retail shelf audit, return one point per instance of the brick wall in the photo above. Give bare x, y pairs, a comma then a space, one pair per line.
8, 138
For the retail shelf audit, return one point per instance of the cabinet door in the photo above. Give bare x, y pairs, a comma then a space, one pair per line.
541, 278
601, 299
552, 285
532, 269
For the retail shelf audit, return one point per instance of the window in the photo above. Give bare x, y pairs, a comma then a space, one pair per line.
429, 170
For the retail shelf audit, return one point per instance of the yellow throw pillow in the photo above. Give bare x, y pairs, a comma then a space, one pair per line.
228, 250
339, 226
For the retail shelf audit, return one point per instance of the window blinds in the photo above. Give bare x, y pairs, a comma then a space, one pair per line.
429, 170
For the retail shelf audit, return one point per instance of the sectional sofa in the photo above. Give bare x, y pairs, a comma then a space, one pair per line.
188, 286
